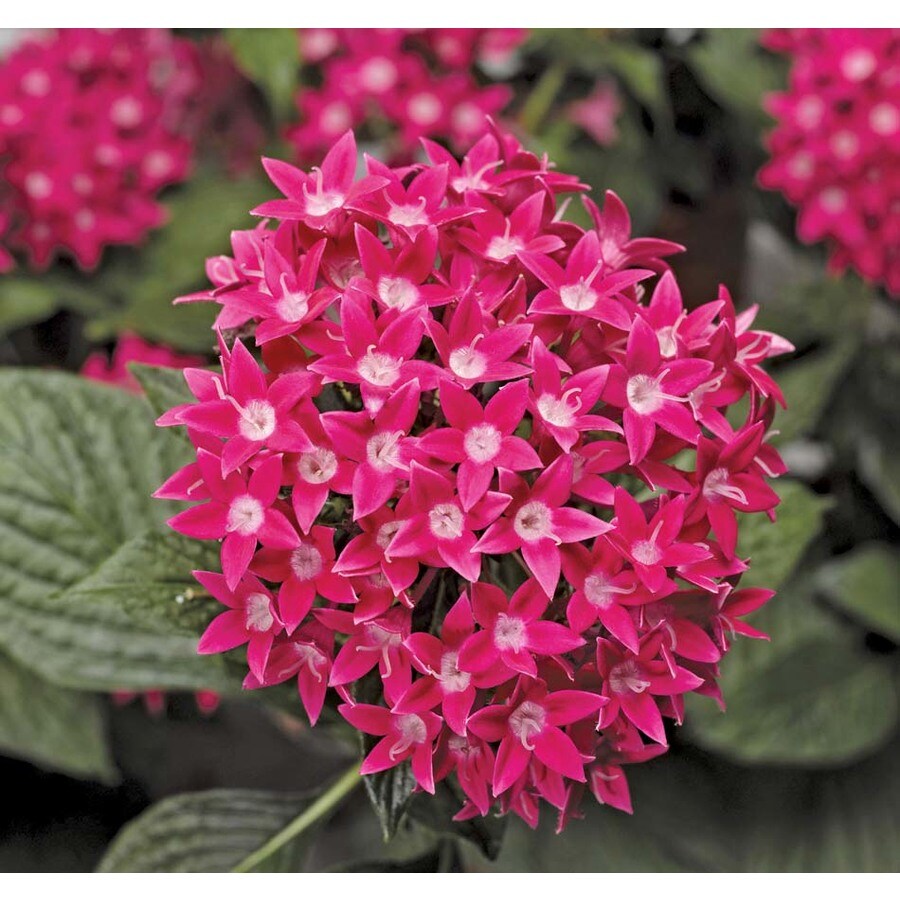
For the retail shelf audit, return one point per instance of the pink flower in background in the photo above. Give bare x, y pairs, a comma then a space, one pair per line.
598, 112
835, 150
131, 348
401, 85
93, 124
463, 404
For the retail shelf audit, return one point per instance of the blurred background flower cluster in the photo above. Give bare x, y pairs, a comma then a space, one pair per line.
127, 156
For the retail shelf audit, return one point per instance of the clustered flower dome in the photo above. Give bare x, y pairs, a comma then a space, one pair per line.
836, 148
482, 483
400, 85
91, 129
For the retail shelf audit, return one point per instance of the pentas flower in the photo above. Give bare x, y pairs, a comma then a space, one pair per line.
251, 619
425, 479
400, 85
93, 125
480, 439
251, 413
306, 655
513, 631
538, 521
239, 510
836, 143
530, 723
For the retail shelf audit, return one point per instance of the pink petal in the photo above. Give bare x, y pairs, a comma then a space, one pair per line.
556, 750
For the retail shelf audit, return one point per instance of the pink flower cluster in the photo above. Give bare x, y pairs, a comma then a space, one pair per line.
401, 84
836, 148
484, 474
91, 128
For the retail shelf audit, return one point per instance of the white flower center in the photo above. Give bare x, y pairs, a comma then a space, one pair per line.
397, 293
258, 613
38, 185
467, 362
884, 119
596, 589
245, 515
482, 443
646, 553
386, 533
306, 562
833, 200
452, 680
379, 369
845, 144
577, 297
503, 247
716, 485
126, 112
379, 74
527, 722
668, 343
317, 466
644, 394
627, 676
410, 730
424, 109
533, 521
446, 521
293, 305
810, 111
383, 450
257, 420
859, 64
409, 214
559, 411
509, 633
310, 656
320, 204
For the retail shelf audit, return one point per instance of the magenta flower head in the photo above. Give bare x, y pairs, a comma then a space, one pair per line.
93, 124
447, 496
401, 85
836, 145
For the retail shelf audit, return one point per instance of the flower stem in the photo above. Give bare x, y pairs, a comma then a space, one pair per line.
322, 806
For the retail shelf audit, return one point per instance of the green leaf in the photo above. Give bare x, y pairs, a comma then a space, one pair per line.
132, 623
735, 69
864, 583
436, 813
139, 285
640, 71
163, 387
775, 548
695, 813
812, 696
270, 57
210, 831
809, 384
78, 463
25, 299
390, 793
87, 595
52, 727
